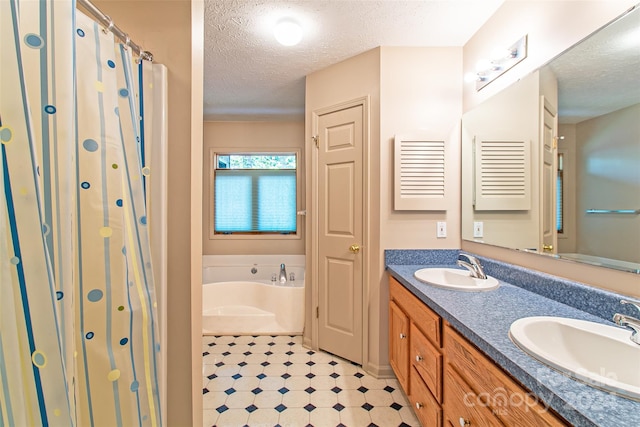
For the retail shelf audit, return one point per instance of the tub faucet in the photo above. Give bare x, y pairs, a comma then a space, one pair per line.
283, 274
629, 322
472, 264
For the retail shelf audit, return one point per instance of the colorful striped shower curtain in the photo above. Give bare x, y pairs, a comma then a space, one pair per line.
78, 329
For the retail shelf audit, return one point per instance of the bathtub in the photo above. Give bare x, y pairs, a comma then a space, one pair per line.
239, 296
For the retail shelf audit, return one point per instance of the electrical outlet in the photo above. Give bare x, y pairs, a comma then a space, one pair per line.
442, 229
478, 229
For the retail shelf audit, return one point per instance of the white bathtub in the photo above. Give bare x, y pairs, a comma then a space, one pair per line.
239, 297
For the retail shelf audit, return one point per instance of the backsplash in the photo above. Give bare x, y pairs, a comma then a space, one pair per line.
598, 302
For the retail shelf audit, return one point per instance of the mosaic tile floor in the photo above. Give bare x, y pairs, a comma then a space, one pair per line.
274, 381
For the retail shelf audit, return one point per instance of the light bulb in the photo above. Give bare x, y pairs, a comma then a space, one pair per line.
288, 32
470, 77
483, 65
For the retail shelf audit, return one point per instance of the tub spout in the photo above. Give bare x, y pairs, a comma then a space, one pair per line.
283, 274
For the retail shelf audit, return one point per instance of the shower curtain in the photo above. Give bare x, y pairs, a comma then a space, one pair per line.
78, 330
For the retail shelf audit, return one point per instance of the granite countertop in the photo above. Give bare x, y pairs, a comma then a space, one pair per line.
484, 319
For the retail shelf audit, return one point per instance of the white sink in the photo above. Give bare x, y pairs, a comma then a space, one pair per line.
599, 355
454, 278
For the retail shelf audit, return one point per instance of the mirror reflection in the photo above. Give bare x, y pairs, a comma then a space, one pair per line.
551, 164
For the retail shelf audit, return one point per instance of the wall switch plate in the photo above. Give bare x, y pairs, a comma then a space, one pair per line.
478, 229
442, 229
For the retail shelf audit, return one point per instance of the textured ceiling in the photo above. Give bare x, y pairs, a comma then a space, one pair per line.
249, 76
601, 74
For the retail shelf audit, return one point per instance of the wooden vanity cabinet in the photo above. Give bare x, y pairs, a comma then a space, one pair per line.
449, 381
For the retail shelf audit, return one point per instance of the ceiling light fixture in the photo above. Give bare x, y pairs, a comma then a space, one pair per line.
487, 70
288, 32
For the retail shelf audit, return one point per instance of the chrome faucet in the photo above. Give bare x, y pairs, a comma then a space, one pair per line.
283, 274
629, 322
472, 264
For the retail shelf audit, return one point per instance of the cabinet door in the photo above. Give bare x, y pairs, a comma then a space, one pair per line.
399, 344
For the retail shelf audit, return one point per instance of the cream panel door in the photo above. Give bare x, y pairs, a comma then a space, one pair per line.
340, 232
549, 176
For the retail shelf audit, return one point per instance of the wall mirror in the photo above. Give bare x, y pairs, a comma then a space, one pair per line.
551, 164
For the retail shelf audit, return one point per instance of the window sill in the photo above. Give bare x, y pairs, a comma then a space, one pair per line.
255, 236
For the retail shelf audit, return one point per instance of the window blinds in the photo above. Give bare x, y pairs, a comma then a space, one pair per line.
255, 201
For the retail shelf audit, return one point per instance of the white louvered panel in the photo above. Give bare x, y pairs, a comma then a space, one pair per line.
503, 175
419, 173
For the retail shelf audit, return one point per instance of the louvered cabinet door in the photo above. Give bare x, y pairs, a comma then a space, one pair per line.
502, 174
419, 172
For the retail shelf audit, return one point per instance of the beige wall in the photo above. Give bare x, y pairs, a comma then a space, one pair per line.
252, 136
553, 27
420, 89
509, 115
165, 29
608, 153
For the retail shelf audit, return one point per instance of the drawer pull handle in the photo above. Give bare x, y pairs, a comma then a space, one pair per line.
464, 423
419, 405
402, 336
419, 358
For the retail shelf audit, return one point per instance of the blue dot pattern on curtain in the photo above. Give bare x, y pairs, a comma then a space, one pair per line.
34, 381
77, 301
117, 324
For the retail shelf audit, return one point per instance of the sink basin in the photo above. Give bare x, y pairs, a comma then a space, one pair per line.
599, 355
454, 278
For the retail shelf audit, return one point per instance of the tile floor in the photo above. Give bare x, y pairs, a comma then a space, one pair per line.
274, 381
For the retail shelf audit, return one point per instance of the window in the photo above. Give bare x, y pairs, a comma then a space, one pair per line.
254, 193
560, 195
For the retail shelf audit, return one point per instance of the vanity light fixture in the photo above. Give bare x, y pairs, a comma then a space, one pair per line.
288, 32
487, 70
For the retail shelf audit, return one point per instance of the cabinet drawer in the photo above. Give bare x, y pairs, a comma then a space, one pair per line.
422, 316
424, 405
427, 361
462, 406
509, 401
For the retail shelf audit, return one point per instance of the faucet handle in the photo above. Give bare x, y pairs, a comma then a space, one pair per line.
633, 303
469, 258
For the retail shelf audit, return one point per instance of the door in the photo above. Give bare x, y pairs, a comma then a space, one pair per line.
549, 173
340, 232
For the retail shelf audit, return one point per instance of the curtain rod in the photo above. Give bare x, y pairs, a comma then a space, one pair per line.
110, 26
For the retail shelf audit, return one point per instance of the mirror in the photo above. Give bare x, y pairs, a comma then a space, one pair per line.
551, 164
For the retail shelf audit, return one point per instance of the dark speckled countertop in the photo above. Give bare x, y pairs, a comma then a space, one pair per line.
484, 319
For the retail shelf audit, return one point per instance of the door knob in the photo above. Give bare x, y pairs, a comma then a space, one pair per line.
355, 248
547, 248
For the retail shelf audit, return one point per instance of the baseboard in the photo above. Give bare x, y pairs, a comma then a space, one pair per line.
379, 371
306, 342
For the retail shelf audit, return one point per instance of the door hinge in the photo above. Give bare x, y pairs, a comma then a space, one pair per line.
317, 312
315, 140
